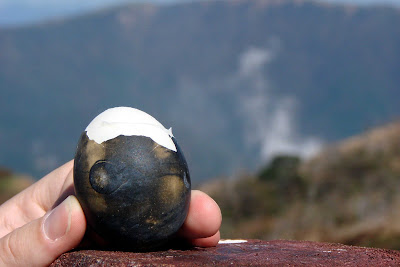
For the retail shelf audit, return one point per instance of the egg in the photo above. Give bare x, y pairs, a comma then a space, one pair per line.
131, 179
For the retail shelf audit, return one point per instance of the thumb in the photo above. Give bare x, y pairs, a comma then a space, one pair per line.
41, 241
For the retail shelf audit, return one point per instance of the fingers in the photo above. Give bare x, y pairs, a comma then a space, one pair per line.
36, 200
203, 221
48, 189
41, 241
211, 241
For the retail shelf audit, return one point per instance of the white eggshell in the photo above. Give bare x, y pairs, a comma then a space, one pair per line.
128, 122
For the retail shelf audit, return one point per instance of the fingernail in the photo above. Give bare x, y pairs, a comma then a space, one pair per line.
58, 221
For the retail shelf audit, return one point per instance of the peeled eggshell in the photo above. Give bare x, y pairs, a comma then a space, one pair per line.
131, 179
129, 122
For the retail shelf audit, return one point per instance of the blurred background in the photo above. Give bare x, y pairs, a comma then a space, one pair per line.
287, 110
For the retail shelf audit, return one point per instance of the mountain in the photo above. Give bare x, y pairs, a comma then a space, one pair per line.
238, 81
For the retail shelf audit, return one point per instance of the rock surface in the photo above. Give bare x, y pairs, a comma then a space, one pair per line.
252, 252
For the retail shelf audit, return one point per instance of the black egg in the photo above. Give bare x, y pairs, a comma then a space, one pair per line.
134, 192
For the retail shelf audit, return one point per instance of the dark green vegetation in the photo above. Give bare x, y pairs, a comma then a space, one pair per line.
182, 64
349, 193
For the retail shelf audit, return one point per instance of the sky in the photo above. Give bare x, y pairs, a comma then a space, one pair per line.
16, 12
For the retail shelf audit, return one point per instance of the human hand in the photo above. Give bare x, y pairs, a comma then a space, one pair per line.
46, 220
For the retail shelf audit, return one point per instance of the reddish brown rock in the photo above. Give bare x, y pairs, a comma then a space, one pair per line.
253, 252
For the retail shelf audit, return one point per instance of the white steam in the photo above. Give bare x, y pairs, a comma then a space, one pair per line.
253, 60
270, 118
244, 103
281, 137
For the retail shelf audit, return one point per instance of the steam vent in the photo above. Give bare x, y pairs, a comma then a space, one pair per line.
241, 253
